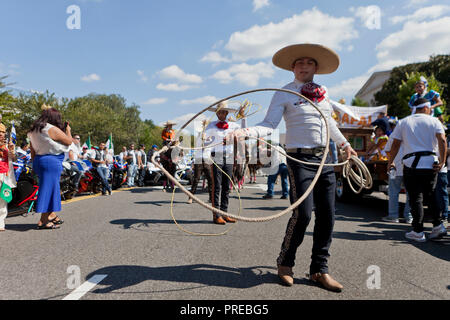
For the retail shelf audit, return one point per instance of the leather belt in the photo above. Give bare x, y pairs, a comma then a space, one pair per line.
311, 151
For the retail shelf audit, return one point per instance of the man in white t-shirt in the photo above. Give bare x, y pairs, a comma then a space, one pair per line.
422, 137
72, 156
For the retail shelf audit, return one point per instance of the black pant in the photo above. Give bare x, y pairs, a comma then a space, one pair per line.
207, 170
221, 185
141, 176
420, 184
323, 197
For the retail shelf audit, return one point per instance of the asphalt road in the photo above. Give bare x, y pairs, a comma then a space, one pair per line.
131, 239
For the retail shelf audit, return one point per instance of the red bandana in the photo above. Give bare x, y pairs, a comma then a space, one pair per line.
313, 92
4, 166
222, 125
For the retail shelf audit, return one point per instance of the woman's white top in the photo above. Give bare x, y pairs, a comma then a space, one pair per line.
305, 128
43, 144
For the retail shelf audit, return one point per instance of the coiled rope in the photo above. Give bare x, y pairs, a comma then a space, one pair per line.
362, 178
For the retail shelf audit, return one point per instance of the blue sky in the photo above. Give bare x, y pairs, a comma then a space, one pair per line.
174, 58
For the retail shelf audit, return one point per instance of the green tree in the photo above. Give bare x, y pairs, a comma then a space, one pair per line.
359, 102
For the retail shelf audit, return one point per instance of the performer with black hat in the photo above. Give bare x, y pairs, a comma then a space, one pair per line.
306, 141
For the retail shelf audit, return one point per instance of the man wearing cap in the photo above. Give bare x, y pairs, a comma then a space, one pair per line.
223, 156
7, 156
306, 141
422, 138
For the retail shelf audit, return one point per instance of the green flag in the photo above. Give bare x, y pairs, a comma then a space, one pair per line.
87, 143
6, 192
110, 144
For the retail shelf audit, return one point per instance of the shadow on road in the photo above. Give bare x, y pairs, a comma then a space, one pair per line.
21, 227
129, 223
120, 277
368, 211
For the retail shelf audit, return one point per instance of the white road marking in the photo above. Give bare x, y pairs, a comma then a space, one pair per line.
85, 287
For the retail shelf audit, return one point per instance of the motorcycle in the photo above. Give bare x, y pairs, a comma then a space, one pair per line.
25, 194
90, 181
67, 186
118, 173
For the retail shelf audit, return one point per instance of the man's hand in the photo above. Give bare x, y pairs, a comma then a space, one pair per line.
438, 166
349, 152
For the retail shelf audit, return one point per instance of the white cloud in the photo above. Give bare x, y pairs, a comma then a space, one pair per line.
206, 101
173, 87
175, 72
347, 87
400, 48
142, 76
154, 101
260, 42
91, 78
214, 57
244, 73
258, 4
416, 3
422, 14
429, 37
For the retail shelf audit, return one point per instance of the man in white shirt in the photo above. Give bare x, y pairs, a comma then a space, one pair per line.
306, 141
223, 155
422, 137
100, 161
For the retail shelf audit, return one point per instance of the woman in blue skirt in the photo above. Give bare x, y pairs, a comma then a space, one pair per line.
49, 140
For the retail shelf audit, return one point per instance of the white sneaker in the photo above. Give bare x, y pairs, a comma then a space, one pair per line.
409, 220
390, 219
419, 237
438, 232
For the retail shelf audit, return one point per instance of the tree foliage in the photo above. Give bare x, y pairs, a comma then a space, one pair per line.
359, 102
95, 116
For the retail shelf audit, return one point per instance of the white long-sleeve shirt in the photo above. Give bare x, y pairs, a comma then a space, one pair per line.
305, 127
215, 135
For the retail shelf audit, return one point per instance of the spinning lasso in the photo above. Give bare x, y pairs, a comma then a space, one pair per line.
363, 178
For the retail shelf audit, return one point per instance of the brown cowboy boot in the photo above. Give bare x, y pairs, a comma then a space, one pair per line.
228, 219
286, 275
218, 220
326, 281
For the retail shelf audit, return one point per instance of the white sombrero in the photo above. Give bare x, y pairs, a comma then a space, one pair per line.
168, 123
222, 106
327, 60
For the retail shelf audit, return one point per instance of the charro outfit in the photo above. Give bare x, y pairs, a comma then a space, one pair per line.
223, 156
306, 140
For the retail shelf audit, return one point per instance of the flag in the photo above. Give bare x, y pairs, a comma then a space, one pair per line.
13, 133
110, 145
6, 192
87, 143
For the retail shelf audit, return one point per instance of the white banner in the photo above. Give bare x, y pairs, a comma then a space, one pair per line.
352, 116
